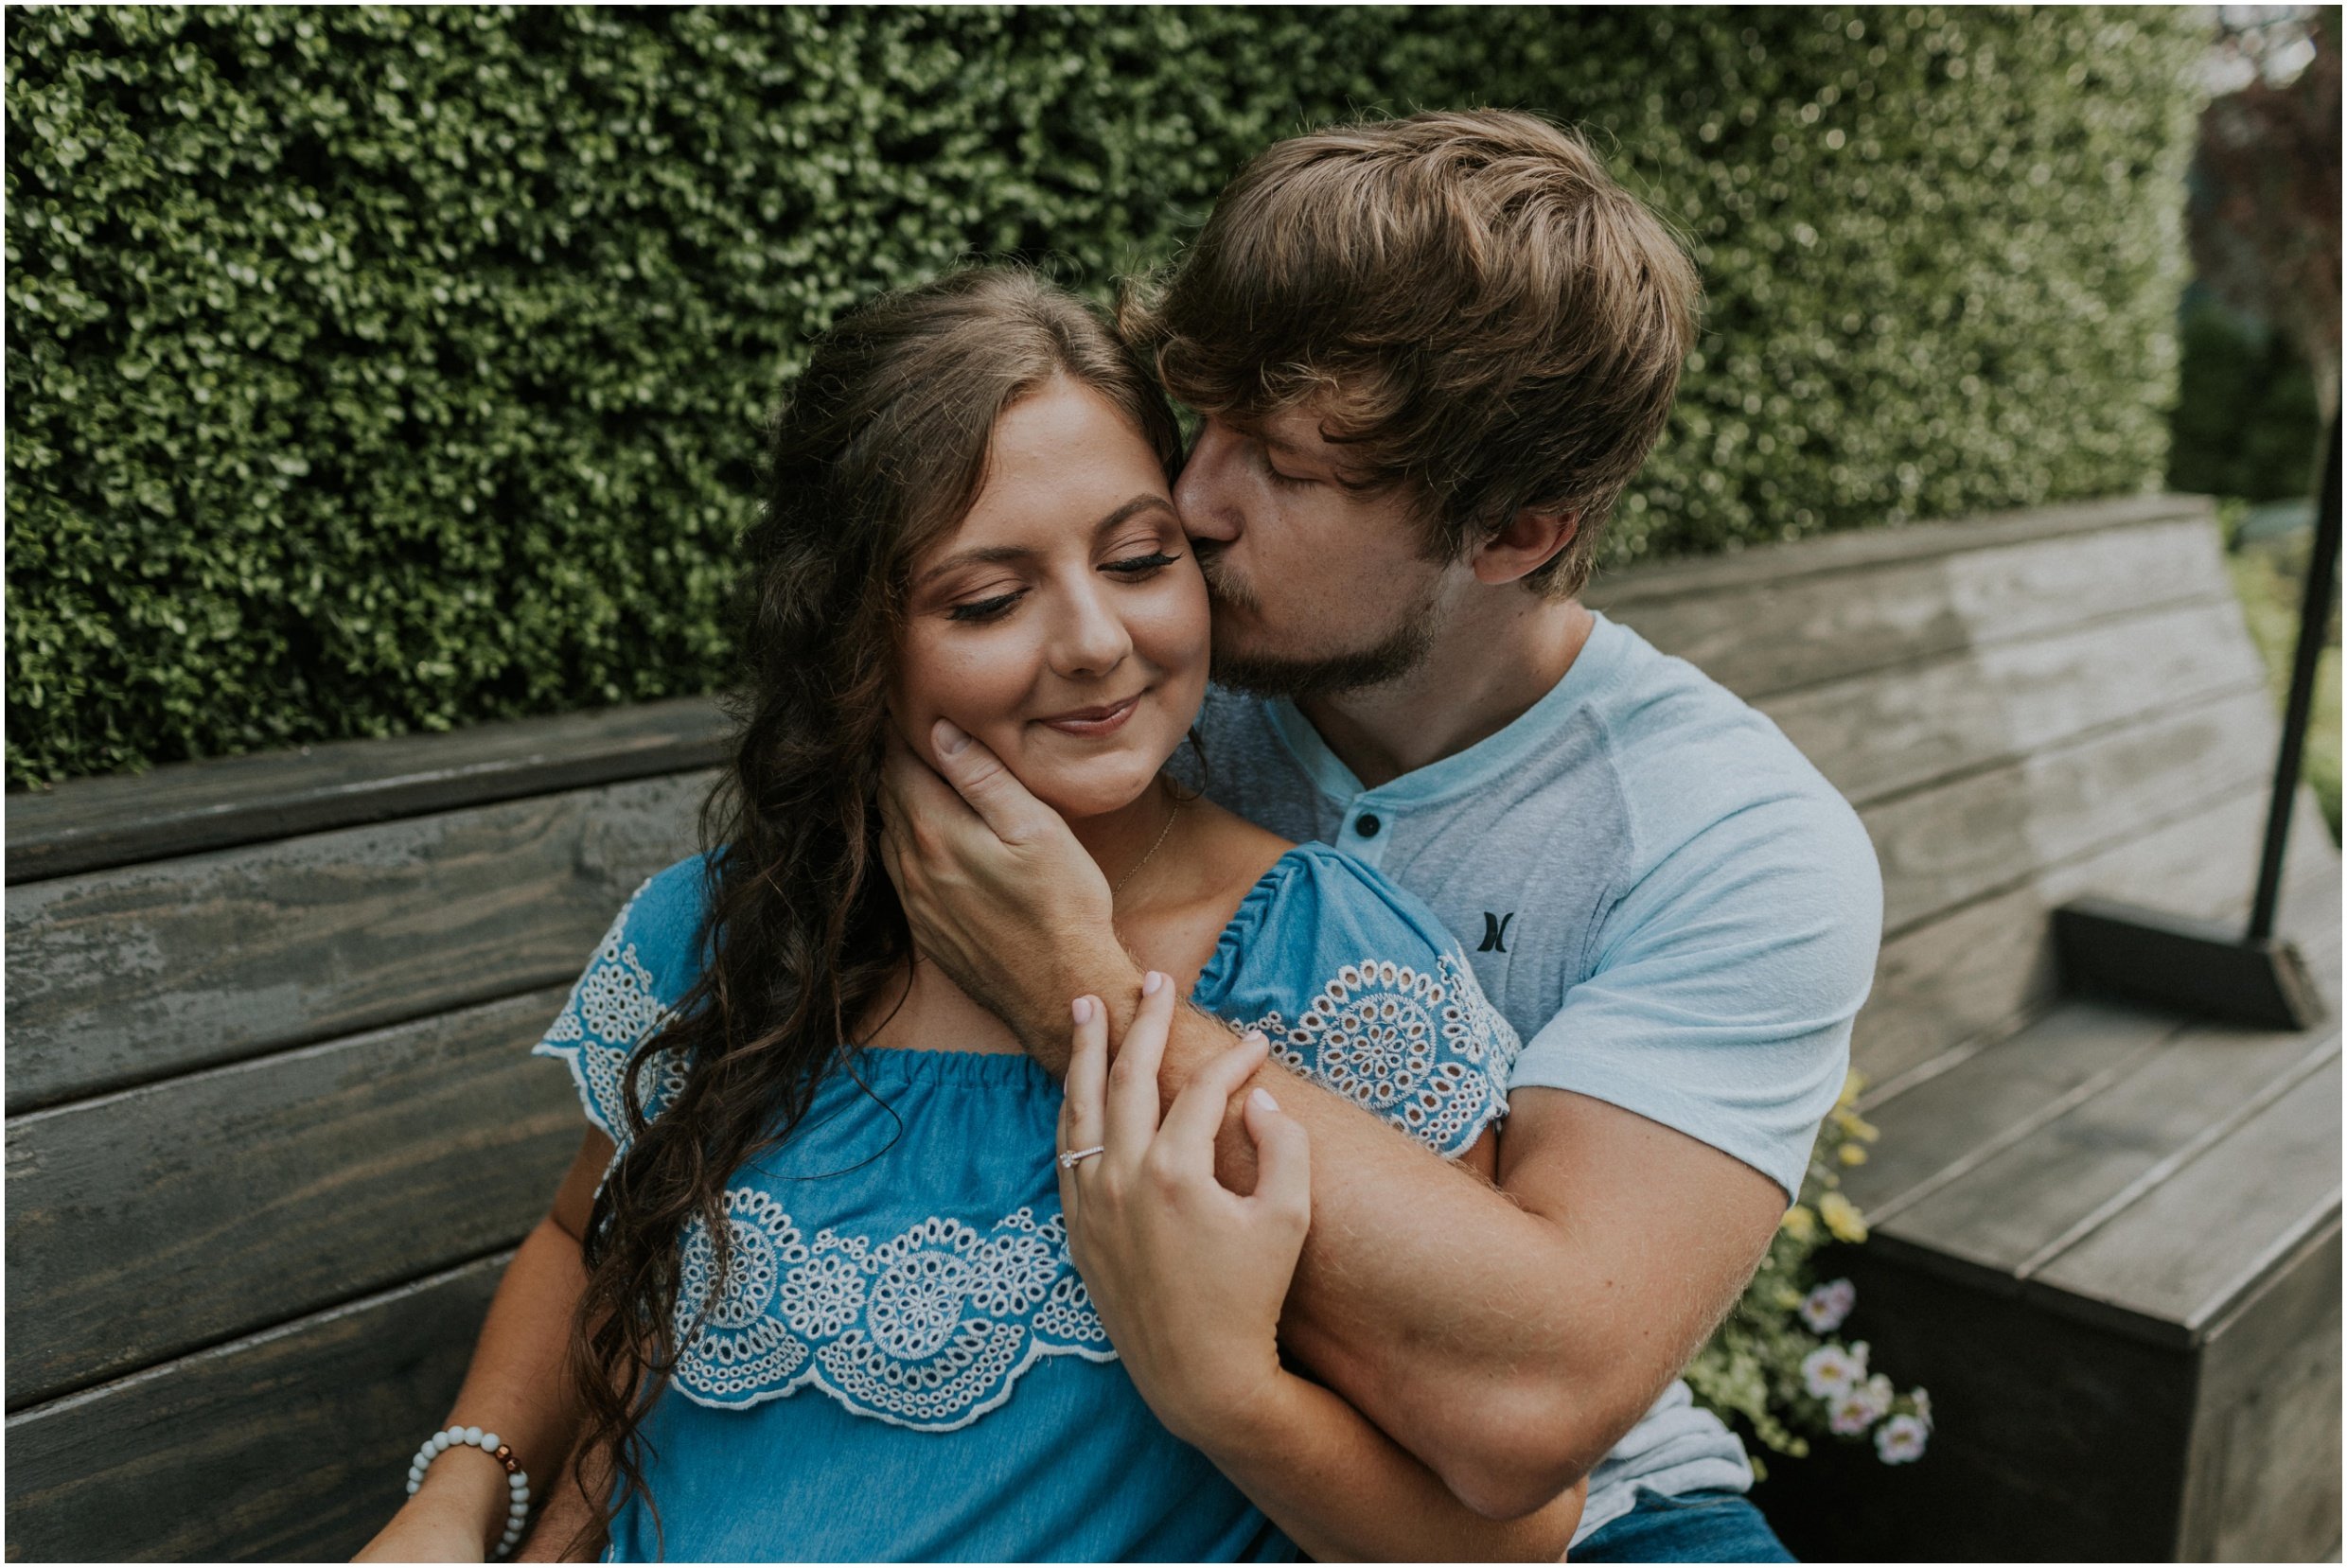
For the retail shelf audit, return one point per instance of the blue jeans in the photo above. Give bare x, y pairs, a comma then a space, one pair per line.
1696, 1526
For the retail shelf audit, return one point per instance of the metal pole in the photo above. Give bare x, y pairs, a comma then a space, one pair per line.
2314, 619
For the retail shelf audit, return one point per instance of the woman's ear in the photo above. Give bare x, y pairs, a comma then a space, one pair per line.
1530, 540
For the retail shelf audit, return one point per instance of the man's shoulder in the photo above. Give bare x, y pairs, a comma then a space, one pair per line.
1228, 712
1689, 755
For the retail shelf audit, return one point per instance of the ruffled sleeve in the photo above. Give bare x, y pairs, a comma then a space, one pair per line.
1359, 986
631, 984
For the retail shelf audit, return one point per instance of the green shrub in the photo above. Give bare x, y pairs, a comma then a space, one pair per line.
2246, 422
374, 369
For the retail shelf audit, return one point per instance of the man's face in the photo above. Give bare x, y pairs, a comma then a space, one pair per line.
1317, 588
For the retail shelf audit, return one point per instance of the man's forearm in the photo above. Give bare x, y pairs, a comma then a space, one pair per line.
1344, 1492
1426, 1297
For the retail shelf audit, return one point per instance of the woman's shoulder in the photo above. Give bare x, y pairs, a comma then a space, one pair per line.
636, 975
662, 919
1318, 907
1361, 987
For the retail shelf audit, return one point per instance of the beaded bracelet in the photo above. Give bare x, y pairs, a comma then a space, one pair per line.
516, 1479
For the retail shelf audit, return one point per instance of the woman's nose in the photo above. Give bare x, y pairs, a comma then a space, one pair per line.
1092, 637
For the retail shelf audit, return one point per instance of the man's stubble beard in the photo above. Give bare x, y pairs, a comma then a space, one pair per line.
1399, 651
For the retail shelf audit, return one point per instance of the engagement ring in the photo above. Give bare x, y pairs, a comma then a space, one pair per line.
1069, 1160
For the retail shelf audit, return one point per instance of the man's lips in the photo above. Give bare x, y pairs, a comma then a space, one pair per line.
1091, 722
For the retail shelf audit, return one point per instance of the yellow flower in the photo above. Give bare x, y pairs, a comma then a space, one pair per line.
1842, 1217
1853, 1155
1799, 1224
1852, 1087
1853, 1125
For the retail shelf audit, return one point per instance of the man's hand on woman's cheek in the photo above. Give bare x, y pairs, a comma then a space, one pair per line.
998, 893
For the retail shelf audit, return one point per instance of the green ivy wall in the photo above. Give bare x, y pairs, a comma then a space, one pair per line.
372, 370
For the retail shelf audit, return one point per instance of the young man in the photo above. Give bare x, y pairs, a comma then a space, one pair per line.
1429, 354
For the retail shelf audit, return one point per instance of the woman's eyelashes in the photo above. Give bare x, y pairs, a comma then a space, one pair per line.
1130, 569
1138, 566
985, 610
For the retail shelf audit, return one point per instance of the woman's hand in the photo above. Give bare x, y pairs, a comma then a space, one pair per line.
1187, 1275
1189, 1278
997, 892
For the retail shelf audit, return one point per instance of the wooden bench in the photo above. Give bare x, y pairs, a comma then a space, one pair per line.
273, 1131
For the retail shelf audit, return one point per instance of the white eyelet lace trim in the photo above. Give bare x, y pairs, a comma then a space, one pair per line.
613, 1008
1427, 1053
929, 1329
933, 1328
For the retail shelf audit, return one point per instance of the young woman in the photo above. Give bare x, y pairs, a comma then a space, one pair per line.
810, 1290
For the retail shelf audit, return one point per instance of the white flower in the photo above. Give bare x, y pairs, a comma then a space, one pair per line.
1831, 1371
1900, 1440
1824, 1307
1922, 1401
1875, 1391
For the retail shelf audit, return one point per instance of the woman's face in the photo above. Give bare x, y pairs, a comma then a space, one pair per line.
1063, 621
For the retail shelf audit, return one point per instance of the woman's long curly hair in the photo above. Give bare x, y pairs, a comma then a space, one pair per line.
879, 450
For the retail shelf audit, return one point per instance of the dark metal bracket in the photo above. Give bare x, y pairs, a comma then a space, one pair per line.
2195, 966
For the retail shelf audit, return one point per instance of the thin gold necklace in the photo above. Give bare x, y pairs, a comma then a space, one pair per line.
1176, 811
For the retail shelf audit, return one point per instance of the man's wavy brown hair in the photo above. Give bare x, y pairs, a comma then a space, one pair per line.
880, 449
1468, 301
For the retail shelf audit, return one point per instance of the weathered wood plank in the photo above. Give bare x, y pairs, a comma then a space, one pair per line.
291, 1445
144, 1224
1991, 1095
1769, 636
2018, 1209
1954, 841
2265, 1467
1889, 730
2200, 1241
125, 975
1998, 1096
1858, 551
185, 808
1982, 970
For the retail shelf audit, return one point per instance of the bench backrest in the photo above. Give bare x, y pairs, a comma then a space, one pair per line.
272, 1131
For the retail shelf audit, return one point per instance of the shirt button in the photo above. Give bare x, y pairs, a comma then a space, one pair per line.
1367, 824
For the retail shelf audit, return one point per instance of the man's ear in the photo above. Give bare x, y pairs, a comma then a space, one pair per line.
1529, 541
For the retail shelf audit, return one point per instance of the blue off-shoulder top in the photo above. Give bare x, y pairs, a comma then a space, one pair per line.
902, 1364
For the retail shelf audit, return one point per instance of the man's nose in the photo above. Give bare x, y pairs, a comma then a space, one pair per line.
1205, 494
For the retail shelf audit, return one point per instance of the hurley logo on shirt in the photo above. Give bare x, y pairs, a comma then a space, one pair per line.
1495, 931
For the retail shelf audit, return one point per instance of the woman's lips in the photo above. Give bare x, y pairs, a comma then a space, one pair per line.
1092, 723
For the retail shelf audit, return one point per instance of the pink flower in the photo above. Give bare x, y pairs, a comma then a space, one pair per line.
1861, 1405
1824, 1307
1850, 1414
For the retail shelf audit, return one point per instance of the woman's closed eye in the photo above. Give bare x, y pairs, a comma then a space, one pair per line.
1130, 569
985, 610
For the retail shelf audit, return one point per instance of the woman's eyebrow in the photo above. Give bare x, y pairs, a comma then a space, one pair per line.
990, 555
1002, 554
1138, 504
